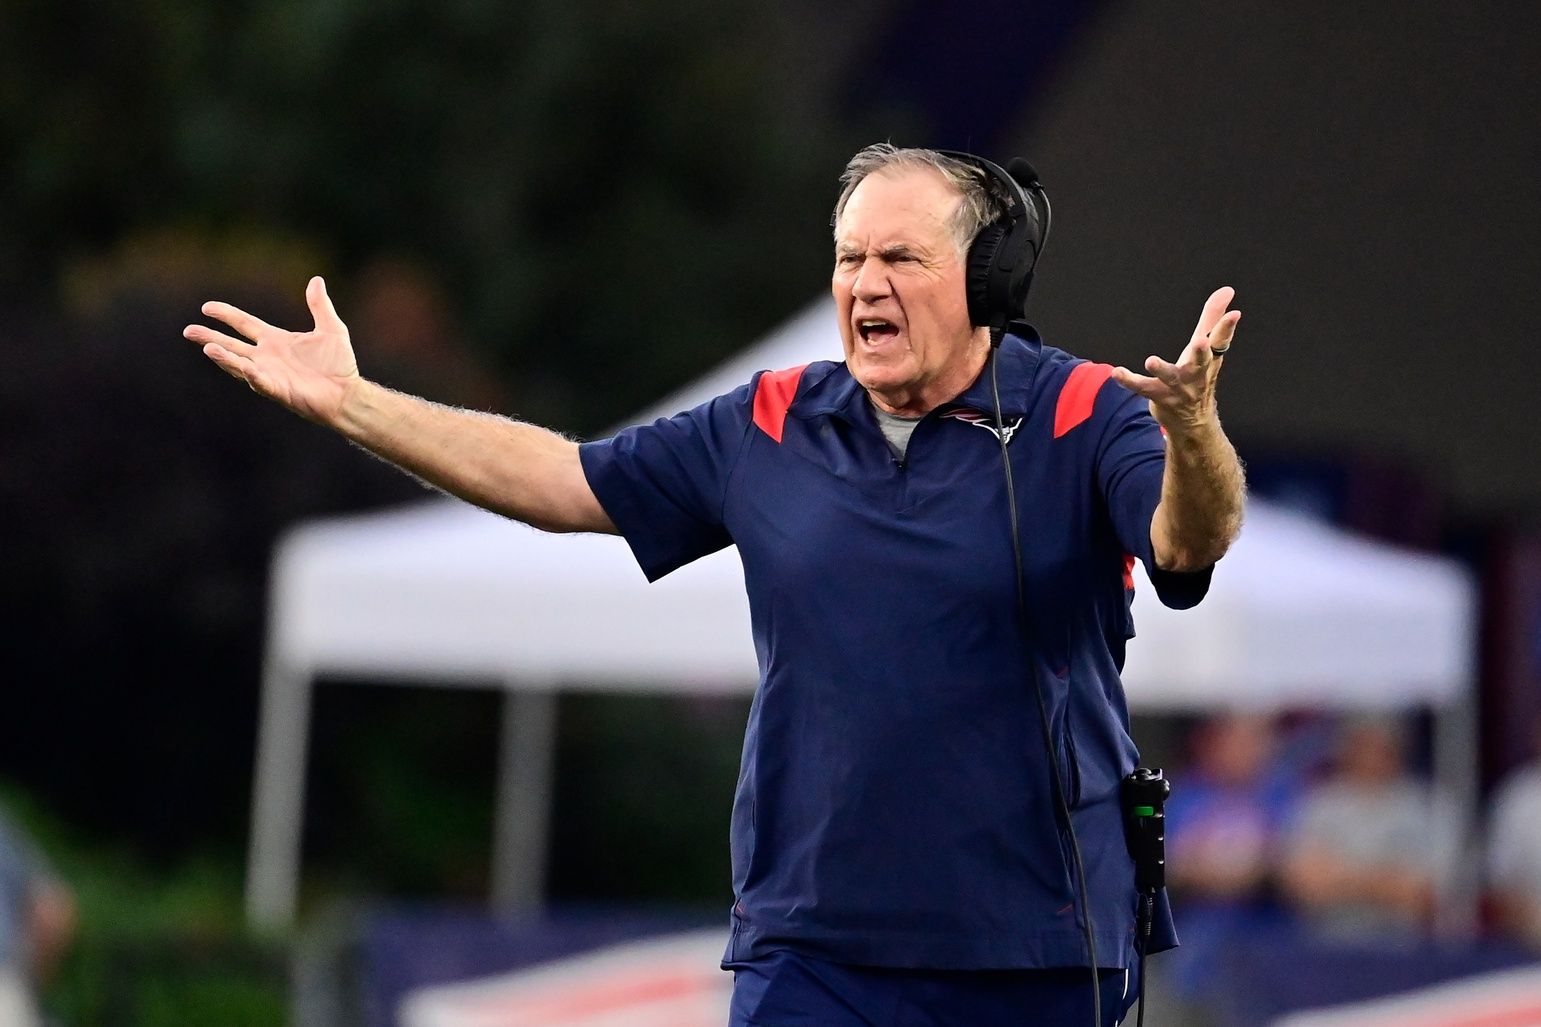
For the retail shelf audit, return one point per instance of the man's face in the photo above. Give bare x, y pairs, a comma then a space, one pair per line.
899, 290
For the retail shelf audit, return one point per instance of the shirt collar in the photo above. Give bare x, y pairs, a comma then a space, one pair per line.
1017, 358
839, 394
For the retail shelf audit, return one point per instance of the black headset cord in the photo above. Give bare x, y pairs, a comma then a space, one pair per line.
1061, 806
1142, 946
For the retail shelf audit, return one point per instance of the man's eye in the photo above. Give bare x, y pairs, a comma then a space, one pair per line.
850, 258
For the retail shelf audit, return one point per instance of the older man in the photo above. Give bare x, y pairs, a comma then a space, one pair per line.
897, 855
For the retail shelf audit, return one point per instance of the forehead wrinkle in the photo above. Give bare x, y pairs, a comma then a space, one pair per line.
918, 219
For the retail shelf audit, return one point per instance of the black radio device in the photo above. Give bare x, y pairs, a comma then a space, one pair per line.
1144, 794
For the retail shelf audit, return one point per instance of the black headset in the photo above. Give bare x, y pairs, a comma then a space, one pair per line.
1001, 259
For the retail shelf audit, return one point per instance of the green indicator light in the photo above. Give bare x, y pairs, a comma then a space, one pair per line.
1145, 811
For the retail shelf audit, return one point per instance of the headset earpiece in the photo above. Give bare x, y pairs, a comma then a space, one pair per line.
981, 262
1003, 255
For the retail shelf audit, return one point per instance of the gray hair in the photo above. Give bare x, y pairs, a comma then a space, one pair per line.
980, 196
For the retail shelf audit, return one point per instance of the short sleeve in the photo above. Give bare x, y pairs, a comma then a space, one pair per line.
663, 484
1131, 460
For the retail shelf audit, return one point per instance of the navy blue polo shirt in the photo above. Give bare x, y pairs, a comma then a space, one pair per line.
894, 804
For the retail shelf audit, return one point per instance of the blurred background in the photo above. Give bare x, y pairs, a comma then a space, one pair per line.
566, 210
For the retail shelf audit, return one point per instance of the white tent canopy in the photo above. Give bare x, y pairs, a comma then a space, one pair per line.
1300, 614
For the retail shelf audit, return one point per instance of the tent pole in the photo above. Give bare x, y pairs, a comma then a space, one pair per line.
526, 754
278, 798
1456, 774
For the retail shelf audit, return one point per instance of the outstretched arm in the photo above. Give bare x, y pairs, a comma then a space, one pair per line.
515, 469
1202, 489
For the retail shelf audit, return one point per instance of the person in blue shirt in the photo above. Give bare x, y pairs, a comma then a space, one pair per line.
897, 857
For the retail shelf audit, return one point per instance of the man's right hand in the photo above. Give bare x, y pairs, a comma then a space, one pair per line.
311, 372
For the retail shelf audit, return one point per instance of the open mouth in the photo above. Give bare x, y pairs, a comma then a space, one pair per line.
875, 329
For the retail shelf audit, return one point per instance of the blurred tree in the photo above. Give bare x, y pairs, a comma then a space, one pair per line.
616, 194
140, 497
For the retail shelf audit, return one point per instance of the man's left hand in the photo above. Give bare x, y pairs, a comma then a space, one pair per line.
1182, 395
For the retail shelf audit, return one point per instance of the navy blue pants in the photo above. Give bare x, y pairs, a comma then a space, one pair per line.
785, 989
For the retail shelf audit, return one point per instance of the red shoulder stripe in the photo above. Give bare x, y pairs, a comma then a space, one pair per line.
1129, 572
1078, 395
773, 394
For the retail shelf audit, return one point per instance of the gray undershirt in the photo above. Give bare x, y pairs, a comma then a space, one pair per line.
896, 430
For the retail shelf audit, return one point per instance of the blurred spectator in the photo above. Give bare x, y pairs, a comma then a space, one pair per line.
1223, 821
37, 920
1372, 845
1514, 850
1223, 825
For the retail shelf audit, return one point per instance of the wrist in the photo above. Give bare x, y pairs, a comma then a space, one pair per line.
358, 407
1197, 432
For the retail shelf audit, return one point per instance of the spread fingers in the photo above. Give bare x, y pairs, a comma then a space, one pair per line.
205, 336
248, 325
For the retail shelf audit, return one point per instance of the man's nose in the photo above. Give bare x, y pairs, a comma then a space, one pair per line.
871, 281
